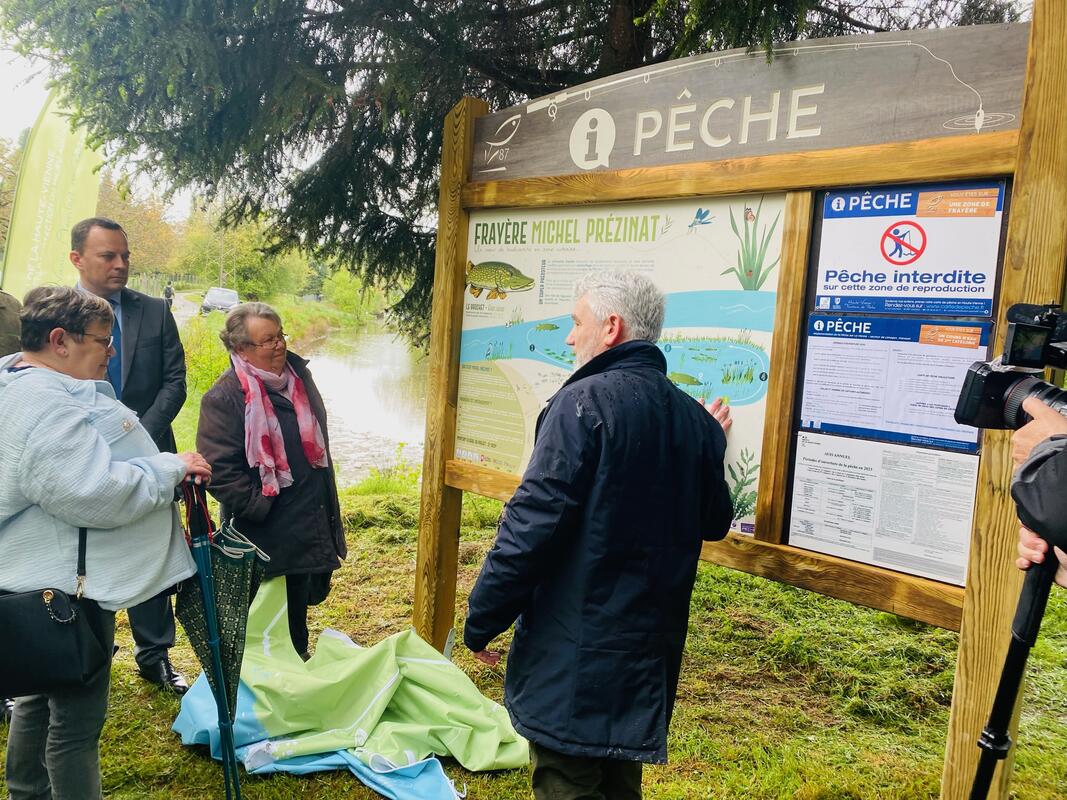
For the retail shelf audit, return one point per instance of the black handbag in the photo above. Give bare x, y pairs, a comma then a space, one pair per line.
51, 640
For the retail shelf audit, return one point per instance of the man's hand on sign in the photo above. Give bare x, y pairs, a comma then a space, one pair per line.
490, 657
1033, 549
721, 411
1046, 422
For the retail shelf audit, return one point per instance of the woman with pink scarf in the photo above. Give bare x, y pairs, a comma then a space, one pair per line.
263, 430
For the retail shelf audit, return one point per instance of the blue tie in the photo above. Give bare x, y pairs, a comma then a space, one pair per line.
114, 365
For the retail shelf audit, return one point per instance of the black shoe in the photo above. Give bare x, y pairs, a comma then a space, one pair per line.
7, 708
163, 675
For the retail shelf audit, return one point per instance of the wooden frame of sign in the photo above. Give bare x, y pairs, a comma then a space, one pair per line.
1034, 156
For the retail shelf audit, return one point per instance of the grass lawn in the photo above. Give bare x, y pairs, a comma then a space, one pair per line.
784, 693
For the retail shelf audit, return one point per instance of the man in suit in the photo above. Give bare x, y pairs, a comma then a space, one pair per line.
148, 374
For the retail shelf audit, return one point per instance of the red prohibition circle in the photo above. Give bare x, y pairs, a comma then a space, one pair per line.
893, 241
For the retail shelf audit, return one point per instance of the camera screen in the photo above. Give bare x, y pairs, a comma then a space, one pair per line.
1025, 345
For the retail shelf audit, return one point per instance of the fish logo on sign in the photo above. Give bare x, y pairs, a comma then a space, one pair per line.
903, 242
506, 131
496, 148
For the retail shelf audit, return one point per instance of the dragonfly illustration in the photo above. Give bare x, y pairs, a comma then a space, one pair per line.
702, 217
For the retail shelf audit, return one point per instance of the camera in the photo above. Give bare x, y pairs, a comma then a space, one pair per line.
993, 391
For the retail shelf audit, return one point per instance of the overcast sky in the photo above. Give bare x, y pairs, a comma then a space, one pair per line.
23, 95
22, 88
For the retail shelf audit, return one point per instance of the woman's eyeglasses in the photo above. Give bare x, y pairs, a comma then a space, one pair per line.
103, 341
273, 341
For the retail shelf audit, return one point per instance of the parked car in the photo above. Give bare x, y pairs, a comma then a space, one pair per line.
218, 299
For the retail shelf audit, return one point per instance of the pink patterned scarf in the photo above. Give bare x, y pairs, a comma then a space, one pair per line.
264, 446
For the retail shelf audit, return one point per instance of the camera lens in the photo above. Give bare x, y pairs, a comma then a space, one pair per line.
1052, 395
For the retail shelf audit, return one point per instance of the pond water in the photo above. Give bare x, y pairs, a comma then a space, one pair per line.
374, 388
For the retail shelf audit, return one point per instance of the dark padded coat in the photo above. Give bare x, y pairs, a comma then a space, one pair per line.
596, 554
301, 528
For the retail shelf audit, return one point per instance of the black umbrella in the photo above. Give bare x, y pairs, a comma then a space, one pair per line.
213, 609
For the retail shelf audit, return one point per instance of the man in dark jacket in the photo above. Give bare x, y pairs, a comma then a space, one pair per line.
147, 372
596, 553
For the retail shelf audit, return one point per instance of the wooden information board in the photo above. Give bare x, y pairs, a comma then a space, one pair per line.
600, 168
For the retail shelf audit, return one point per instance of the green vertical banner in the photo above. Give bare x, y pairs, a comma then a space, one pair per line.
57, 186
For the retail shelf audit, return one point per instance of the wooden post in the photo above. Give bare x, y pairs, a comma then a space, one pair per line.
1033, 272
440, 506
789, 314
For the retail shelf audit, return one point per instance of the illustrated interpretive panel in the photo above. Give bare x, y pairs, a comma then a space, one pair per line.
716, 260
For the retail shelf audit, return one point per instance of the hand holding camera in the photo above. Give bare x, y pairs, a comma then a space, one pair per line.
1045, 422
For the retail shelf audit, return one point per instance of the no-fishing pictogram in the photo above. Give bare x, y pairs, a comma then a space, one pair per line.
903, 242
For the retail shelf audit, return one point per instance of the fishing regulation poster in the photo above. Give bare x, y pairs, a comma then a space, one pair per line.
716, 260
911, 249
899, 507
896, 380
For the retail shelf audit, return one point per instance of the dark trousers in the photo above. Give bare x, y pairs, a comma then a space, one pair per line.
557, 776
152, 625
296, 595
301, 591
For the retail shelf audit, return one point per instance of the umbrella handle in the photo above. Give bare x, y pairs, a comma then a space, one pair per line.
197, 518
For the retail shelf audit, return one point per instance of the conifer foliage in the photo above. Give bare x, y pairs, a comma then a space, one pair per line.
323, 117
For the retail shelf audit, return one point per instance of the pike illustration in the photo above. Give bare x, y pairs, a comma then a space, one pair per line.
497, 277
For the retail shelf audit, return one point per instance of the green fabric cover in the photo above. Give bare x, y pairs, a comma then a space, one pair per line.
400, 699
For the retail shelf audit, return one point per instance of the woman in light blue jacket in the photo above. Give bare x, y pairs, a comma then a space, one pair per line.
72, 456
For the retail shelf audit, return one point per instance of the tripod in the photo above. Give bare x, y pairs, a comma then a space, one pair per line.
995, 741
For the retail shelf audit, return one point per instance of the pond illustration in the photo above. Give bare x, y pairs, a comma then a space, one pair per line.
734, 366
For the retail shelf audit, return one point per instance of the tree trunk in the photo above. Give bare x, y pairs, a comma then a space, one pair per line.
625, 45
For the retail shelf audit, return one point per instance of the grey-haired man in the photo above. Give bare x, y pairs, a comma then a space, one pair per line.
596, 553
